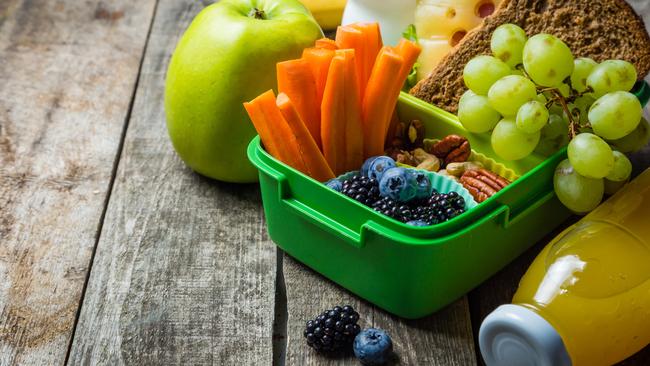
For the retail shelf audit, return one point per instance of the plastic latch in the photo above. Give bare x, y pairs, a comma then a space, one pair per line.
642, 91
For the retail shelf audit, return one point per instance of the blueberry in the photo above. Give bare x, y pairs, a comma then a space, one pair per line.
373, 346
395, 184
379, 166
365, 168
422, 183
417, 223
334, 184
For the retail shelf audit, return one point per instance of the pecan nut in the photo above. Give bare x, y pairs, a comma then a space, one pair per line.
452, 149
402, 156
482, 184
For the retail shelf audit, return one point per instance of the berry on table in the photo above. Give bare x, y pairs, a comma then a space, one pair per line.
373, 347
333, 329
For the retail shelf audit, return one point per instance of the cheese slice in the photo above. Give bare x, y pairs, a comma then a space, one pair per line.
441, 24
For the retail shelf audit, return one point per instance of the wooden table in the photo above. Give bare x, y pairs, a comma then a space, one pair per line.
113, 252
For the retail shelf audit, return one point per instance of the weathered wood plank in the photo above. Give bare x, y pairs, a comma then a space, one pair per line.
184, 272
444, 338
500, 288
67, 74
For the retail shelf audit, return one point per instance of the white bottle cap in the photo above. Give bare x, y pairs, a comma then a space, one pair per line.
513, 335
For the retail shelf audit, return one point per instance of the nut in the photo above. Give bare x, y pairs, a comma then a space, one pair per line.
458, 169
482, 184
432, 165
425, 160
416, 133
452, 149
406, 135
402, 157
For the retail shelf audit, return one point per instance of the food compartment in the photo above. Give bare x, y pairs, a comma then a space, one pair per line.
406, 270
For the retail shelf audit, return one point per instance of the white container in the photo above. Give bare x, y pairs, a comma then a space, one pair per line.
393, 16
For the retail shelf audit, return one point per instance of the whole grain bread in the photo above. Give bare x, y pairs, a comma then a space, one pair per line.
600, 29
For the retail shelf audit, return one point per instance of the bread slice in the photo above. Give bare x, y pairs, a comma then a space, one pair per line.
600, 29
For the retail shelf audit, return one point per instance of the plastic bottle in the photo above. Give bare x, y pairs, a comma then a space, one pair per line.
585, 300
393, 16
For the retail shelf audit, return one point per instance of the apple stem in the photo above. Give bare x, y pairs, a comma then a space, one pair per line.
257, 14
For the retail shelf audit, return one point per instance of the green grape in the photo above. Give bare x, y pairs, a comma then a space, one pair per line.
612, 187
578, 193
615, 115
582, 104
564, 89
547, 60
548, 147
541, 98
476, 114
610, 76
466, 94
582, 67
510, 143
507, 44
556, 126
482, 71
511, 92
590, 156
532, 117
556, 108
517, 72
622, 168
635, 140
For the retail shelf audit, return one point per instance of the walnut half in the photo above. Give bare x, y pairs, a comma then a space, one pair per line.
452, 149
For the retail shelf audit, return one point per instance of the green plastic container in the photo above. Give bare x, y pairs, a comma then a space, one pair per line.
409, 271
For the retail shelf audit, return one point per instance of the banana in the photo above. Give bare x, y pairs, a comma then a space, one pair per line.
328, 13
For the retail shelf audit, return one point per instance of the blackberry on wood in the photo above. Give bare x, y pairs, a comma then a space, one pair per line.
333, 329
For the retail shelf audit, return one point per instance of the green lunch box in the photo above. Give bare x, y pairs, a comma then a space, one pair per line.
406, 270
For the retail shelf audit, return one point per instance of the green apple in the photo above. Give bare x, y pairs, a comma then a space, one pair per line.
227, 56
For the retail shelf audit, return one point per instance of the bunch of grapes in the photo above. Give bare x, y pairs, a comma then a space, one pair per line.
535, 97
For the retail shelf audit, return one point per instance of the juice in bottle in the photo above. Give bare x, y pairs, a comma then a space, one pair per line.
585, 300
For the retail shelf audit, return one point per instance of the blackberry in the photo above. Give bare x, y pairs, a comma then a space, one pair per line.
437, 208
446, 205
361, 189
333, 330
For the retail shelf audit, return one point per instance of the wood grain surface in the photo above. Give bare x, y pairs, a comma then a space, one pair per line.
112, 252
184, 273
67, 74
444, 338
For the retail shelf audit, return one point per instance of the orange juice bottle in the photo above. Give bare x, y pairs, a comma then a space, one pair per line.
585, 300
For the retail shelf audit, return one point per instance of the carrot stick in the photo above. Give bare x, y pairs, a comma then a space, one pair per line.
315, 162
353, 143
333, 116
326, 43
319, 60
372, 42
263, 129
296, 79
410, 52
380, 100
274, 130
348, 37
